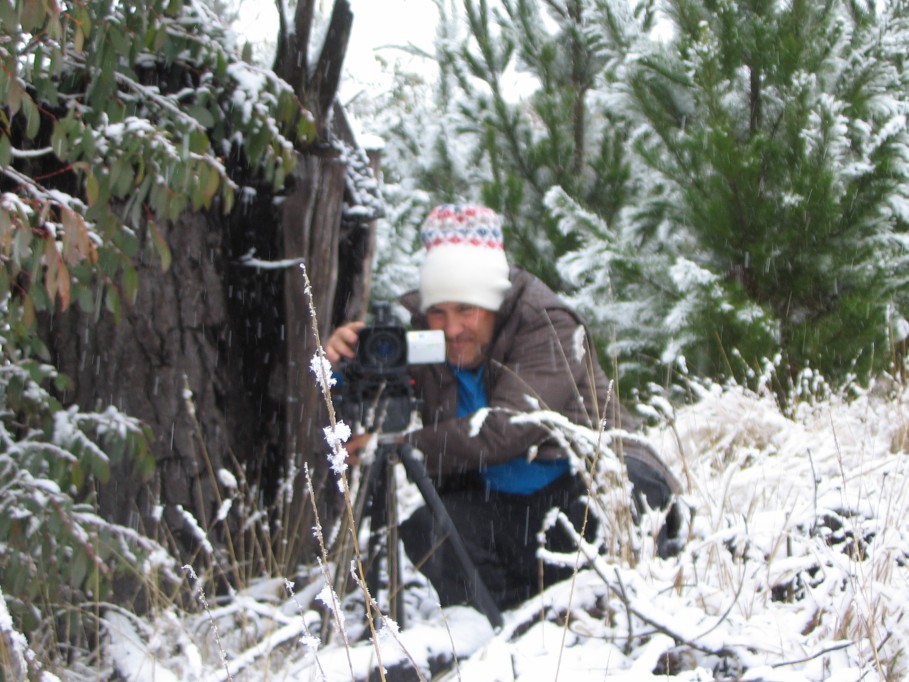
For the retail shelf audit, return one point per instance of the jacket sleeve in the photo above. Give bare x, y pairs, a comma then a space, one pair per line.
541, 369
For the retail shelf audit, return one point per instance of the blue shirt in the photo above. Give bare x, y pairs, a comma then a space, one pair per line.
517, 476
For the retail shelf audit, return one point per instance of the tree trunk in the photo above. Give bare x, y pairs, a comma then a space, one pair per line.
162, 364
214, 355
311, 220
311, 224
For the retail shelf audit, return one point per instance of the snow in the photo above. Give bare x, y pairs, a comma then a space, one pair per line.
795, 570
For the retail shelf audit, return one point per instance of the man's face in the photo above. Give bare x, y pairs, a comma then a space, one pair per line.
468, 331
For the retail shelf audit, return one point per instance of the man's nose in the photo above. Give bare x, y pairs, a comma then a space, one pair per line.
453, 327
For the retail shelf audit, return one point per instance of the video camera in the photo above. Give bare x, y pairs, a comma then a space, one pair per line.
376, 390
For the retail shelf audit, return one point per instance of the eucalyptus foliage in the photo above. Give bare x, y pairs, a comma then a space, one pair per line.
115, 117
57, 552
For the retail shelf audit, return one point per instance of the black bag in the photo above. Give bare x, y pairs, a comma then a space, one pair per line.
652, 482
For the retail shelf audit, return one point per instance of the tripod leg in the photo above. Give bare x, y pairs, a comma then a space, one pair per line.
392, 554
378, 493
383, 536
479, 594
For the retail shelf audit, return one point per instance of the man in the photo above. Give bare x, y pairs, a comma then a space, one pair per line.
512, 346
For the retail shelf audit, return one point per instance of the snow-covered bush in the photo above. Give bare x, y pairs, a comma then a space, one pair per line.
114, 119
57, 555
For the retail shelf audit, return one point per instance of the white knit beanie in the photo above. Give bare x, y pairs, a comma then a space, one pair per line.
465, 258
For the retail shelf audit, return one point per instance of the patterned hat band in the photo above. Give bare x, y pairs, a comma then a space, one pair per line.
454, 224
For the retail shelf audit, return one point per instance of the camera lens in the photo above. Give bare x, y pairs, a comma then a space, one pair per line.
383, 350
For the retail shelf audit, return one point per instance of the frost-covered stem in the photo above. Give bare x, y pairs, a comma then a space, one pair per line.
324, 380
815, 480
30, 153
617, 587
323, 564
323, 370
14, 650
206, 459
310, 640
669, 419
70, 522
34, 189
817, 654
211, 619
601, 433
619, 590
390, 627
858, 587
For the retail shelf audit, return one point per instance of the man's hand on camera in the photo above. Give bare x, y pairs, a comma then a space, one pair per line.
343, 342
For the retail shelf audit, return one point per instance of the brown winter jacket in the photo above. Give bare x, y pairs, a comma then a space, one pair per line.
540, 358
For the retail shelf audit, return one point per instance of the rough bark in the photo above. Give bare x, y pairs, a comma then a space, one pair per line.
161, 364
214, 355
311, 224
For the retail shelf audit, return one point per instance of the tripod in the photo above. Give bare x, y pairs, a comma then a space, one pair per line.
383, 544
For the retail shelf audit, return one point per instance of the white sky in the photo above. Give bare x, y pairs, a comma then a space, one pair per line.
378, 26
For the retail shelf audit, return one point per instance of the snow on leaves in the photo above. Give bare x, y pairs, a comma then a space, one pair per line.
124, 116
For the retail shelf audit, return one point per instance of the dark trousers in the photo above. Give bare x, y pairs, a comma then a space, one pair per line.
499, 531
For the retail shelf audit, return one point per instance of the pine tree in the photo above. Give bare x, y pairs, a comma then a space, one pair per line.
515, 111
776, 135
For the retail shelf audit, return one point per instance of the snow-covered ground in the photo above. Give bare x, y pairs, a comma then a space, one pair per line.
795, 569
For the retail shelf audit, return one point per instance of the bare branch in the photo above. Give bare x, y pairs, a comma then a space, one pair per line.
327, 75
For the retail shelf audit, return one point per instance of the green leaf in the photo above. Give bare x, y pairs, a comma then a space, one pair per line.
211, 187
199, 179
77, 474
83, 17
32, 16
92, 189
146, 465
229, 197
123, 179
100, 469
32, 117
14, 96
112, 302
33, 587
5, 150
87, 144
59, 139
306, 127
78, 40
108, 262
130, 283
85, 299
202, 115
199, 142
8, 13
78, 567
